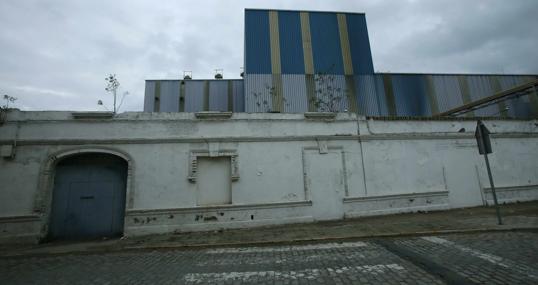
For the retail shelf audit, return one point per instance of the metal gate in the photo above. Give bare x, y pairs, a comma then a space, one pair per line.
89, 197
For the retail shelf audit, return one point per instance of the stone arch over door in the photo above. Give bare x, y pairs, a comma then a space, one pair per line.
85, 184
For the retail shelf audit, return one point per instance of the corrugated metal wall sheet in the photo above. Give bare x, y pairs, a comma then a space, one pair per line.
425, 95
218, 95
169, 99
401, 94
284, 42
299, 93
257, 47
194, 95
149, 96
374, 95
258, 97
291, 48
326, 49
361, 55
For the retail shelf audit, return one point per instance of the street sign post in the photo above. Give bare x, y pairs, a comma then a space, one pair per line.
484, 147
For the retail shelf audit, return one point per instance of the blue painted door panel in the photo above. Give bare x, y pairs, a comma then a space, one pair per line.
89, 197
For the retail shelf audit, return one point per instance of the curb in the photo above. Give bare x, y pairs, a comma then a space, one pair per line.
263, 243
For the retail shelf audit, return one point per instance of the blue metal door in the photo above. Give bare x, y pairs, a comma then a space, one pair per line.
89, 197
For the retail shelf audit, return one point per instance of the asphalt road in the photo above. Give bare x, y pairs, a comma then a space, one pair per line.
491, 258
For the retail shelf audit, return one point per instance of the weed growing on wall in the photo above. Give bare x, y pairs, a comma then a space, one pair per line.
263, 104
328, 95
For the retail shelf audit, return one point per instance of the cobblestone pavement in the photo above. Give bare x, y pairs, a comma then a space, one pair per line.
493, 258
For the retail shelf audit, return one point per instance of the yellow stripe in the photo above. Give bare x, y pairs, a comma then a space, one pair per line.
307, 43
277, 99
344, 44
274, 42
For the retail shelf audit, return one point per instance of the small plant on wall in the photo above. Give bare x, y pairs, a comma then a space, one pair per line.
262, 102
328, 95
4, 108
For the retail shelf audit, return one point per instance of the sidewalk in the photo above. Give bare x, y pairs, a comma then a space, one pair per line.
521, 216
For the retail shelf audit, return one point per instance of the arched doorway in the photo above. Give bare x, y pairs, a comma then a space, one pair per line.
88, 199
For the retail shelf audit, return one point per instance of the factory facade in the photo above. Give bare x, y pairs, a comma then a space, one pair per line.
310, 133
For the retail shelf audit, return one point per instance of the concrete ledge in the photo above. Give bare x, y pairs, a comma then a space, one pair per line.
19, 229
213, 115
237, 207
395, 196
334, 137
394, 204
320, 115
92, 115
20, 239
19, 219
512, 194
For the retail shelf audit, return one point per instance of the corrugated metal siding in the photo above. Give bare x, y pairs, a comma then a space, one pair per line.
447, 91
257, 47
259, 97
331, 88
169, 99
371, 95
326, 49
295, 93
218, 95
410, 95
257, 92
271, 34
149, 96
359, 43
222, 95
238, 96
194, 97
291, 46
417, 95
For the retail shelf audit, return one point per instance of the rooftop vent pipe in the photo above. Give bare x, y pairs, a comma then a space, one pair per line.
219, 73
187, 75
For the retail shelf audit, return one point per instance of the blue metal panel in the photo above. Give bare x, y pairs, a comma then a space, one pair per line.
480, 87
326, 49
359, 43
447, 91
88, 197
291, 46
371, 95
410, 96
257, 47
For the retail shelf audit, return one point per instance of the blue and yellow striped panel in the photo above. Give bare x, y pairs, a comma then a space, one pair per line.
359, 43
326, 49
300, 42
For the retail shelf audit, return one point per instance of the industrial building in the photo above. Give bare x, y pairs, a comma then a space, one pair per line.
293, 59
310, 133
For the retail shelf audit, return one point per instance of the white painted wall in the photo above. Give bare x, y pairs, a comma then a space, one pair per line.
289, 169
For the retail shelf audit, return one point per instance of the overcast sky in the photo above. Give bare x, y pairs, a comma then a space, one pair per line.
55, 55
